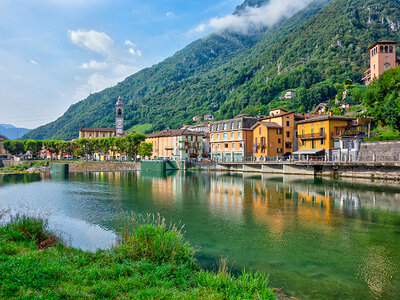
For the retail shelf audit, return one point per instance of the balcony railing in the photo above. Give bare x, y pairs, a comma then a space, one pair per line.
348, 132
310, 136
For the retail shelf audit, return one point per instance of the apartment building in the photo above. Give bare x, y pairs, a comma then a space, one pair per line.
3, 153
231, 140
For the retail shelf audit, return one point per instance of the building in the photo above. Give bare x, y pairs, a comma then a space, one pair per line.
267, 140
290, 94
179, 144
100, 132
208, 117
321, 108
231, 140
382, 58
196, 118
3, 153
323, 137
203, 128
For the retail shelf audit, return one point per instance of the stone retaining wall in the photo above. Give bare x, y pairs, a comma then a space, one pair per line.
379, 151
94, 166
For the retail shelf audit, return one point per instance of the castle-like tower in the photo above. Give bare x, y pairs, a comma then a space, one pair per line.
119, 117
382, 58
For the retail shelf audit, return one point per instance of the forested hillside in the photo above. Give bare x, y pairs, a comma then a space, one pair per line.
317, 47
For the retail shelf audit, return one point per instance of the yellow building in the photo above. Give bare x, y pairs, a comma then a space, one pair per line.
231, 140
267, 140
3, 153
382, 58
318, 137
179, 144
96, 133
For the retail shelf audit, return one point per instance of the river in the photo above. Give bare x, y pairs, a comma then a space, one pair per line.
316, 238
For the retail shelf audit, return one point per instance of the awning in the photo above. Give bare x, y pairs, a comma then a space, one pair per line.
309, 152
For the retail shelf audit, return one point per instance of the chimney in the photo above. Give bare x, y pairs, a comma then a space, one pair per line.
330, 113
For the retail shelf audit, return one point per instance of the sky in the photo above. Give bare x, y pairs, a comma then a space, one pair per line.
54, 53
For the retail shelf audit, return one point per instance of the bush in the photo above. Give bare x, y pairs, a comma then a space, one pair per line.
150, 238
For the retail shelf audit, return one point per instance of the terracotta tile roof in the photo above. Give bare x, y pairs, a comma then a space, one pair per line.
86, 129
174, 132
276, 116
326, 117
382, 42
267, 125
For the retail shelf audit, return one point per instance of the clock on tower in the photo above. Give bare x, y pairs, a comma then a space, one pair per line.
119, 117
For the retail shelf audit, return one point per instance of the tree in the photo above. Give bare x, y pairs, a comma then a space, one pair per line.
145, 149
31, 146
133, 142
14, 147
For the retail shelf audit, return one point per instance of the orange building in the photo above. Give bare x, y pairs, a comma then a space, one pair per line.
382, 58
267, 140
231, 140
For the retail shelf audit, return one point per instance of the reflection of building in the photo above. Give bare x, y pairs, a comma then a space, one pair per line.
3, 153
382, 58
231, 140
179, 144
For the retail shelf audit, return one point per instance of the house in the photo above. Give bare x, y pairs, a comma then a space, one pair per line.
267, 140
203, 128
290, 94
208, 117
196, 118
3, 153
231, 140
214, 104
382, 58
321, 108
323, 137
179, 144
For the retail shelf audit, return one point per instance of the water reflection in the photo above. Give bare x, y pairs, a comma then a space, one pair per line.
317, 238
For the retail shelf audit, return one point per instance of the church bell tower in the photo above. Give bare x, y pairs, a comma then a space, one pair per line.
119, 117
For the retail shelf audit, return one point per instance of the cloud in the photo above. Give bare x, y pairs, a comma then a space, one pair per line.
94, 65
129, 43
33, 62
170, 14
253, 18
92, 40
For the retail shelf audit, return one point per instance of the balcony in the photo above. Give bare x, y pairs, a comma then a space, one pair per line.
313, 136
348, 132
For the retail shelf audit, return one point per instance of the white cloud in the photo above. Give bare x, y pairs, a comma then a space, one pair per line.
129, 43
253, 17
94, 65
33, 62
170, 14
95, 41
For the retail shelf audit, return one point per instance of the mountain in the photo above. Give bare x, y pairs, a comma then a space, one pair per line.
11, 132
319, 46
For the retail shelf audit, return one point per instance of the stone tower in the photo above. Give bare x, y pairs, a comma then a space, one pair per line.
119, 117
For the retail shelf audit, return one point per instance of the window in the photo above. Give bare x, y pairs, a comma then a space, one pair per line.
262, 141
232, 135
97, 135
217, 127
212, 136
226, 145
224, 126
217, 136
213, 146
278, 131
391, 49
336, 144
104, 135
83, 134
303, 125
344, 145
233, 145
191, 138
313, 144
279, 141
225, 136
239, 123
288, 145
90, 135
212, 127
302, 132
232, 125
256, 141
239, 135
279, 150
312, 124
303, 142
322, 123
259, 130
322, 142
240, 145
287, 123
219, 146
288, 134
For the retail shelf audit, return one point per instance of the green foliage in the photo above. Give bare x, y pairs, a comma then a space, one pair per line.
14, 147
142, 128
145, 149
66, 273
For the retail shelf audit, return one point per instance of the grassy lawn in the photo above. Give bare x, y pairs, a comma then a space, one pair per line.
151, 261
142, 128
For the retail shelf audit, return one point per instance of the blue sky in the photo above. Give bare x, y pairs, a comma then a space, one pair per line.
53, 53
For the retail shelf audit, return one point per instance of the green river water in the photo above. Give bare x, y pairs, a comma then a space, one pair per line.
316, 238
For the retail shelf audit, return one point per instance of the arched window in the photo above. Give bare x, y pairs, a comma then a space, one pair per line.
381, 48
119, 112
391, 49
386, 49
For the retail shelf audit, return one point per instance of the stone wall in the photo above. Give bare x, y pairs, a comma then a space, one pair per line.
379, 151
91, 166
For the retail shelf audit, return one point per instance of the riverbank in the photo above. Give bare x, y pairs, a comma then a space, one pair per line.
99, 166
152, 261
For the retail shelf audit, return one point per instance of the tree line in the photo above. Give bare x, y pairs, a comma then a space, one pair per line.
131, 145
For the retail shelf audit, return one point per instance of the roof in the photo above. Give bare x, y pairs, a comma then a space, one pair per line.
3, 138
97, 129
326, 117
308, 151
174, 132
267, 125
278, 115
119, 101
382, 42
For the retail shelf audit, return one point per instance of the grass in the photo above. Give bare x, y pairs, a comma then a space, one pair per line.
142, 128
151, 261
20, 168
384, 134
